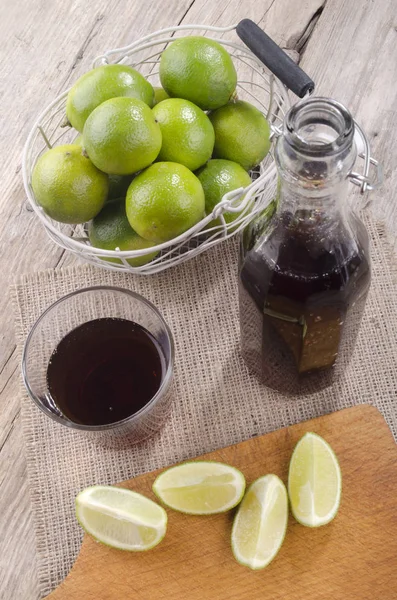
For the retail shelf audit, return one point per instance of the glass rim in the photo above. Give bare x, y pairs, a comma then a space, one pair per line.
135, 416
344, 135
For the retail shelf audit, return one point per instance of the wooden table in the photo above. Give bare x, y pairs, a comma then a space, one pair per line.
349, 47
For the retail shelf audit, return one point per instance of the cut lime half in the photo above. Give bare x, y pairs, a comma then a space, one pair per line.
314, 481
260, 524
200, 488
121, 518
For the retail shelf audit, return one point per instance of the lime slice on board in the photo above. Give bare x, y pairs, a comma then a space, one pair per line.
314, 481
260, 524
200, 488
121, 518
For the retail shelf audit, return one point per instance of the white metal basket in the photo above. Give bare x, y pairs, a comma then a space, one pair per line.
255, 84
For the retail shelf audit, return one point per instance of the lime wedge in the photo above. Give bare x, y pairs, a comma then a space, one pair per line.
200, 488
121, 518
314, 481
261, 521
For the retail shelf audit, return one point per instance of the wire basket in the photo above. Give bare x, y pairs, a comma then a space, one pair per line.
255, 84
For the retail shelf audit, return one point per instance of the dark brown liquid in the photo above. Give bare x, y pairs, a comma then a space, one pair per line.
104, 371
302, 294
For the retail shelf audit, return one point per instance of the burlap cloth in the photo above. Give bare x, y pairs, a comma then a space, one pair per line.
216, 402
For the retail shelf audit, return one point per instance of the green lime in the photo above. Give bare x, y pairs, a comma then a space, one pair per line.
260, 524
110, 229
218, 177
103, 83
159, 95
121, 518
187, 134
118, 184
68, 186
314, 481
200, 488
121, 136
242, 134
200, 70
164, 201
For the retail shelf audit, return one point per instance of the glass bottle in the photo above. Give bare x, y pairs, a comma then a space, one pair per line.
304, 274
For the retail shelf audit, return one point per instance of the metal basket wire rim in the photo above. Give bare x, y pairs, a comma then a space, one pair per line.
278, 102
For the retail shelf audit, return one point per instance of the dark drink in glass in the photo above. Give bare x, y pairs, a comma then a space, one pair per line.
104, 371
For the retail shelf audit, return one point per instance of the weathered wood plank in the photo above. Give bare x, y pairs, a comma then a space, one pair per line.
18, 546
291, 26
9, 380
352, 56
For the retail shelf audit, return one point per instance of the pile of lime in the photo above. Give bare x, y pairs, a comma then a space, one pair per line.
163, 157
127, 520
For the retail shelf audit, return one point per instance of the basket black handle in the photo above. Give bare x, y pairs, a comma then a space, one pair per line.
274, 58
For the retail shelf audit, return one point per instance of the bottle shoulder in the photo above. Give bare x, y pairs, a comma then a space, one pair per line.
300, 262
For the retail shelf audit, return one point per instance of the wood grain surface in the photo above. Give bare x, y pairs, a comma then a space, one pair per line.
349, 48
354, 557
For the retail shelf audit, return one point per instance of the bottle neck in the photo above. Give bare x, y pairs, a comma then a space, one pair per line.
314, 156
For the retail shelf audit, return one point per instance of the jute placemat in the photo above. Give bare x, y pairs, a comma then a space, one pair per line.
216, 402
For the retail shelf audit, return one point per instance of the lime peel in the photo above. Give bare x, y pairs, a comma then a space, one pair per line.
121, 518
314, 481
260, 524
200, 487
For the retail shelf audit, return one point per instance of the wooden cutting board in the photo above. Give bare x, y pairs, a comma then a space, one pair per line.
353, 558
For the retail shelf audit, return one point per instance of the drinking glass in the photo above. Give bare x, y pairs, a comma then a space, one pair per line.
75, 309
